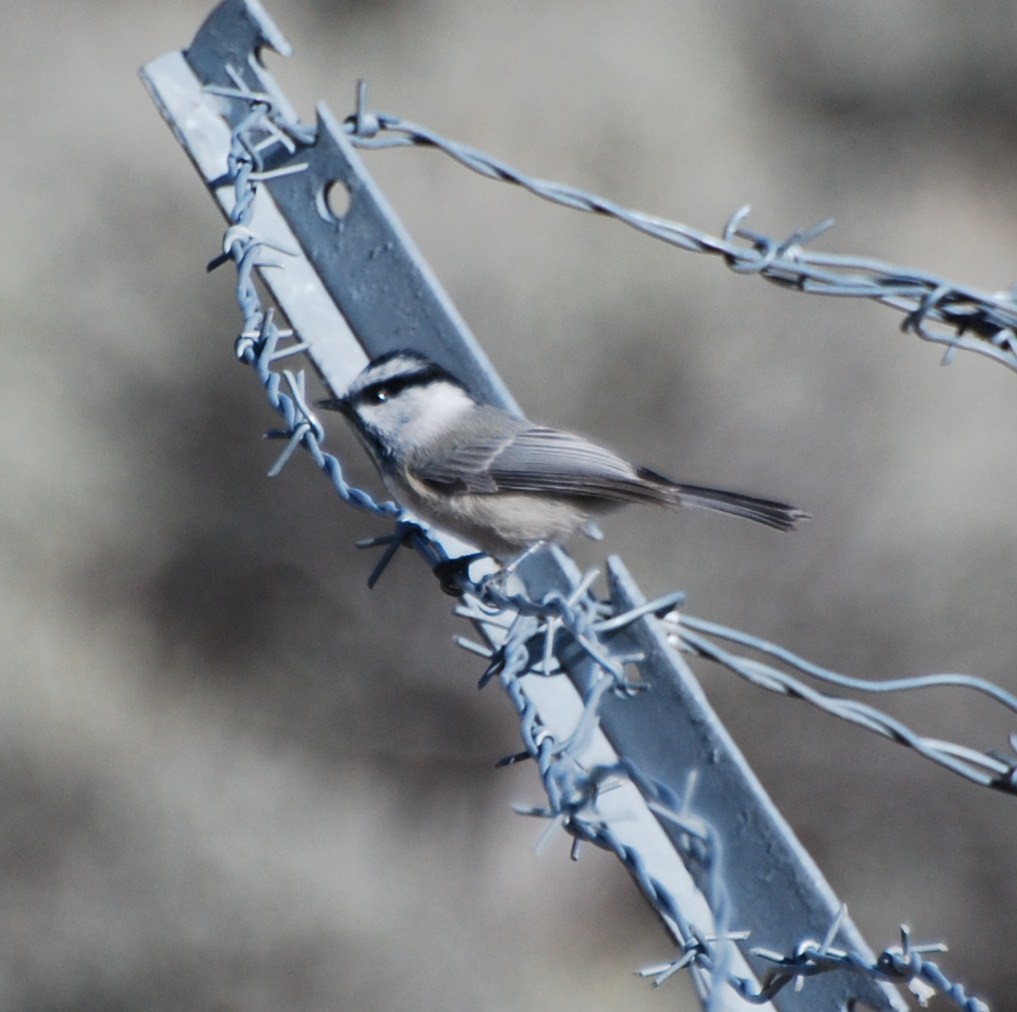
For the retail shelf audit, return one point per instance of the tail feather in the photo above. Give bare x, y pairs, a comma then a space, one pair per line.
778, 515
774, 514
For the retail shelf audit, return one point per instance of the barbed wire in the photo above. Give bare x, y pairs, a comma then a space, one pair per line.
970, 319
904, 964
987, 769
573, 792
526, 643
261, 344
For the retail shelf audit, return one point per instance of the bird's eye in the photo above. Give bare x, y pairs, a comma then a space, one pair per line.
378, 395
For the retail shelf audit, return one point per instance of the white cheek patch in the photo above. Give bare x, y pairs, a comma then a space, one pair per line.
425, 412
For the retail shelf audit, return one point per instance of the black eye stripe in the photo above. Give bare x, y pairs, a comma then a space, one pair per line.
386, 389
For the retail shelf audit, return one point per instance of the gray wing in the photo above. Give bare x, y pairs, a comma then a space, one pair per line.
540, 460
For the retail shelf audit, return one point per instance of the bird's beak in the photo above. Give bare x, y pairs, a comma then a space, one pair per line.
340, 404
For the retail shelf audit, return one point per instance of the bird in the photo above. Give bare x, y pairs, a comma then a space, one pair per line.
498, 481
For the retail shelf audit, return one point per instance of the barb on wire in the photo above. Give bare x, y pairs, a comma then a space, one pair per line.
966, 318
903, 964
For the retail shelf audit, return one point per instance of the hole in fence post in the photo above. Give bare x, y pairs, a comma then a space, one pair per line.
334, 200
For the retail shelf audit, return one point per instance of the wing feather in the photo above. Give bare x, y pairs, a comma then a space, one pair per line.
541, 461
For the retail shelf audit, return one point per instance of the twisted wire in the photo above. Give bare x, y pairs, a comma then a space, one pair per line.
986, 769
572, 793
904, 964
967, 318
259, 342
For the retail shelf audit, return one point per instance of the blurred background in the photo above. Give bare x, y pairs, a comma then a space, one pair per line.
232, 778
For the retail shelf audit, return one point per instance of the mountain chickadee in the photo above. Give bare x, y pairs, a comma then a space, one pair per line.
497, 481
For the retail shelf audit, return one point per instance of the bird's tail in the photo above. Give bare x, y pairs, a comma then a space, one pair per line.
774, 514
763, 511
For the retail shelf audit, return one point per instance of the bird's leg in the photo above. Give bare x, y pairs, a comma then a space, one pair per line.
499, 579
509, 569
